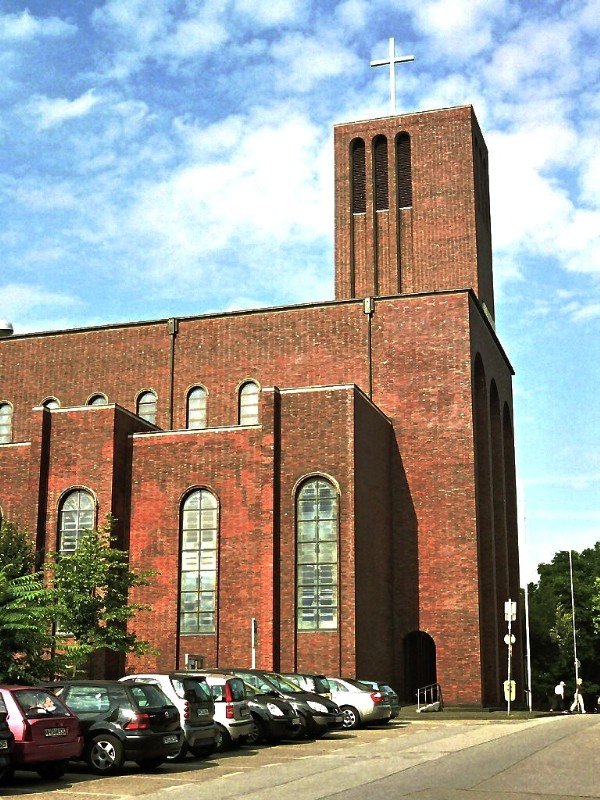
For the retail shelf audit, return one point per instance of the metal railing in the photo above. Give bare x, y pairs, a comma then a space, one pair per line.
429, 698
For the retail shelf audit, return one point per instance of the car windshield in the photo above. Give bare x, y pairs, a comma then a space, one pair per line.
260, 683
321, 685
149, 696
283, 684
251, 691
362, 686
184, 687
38, 703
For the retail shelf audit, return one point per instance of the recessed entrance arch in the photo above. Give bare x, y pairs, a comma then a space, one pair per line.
420, 667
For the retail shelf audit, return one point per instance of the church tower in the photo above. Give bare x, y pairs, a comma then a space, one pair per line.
412, 211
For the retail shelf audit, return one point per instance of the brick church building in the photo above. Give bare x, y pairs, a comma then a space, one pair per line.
342, 472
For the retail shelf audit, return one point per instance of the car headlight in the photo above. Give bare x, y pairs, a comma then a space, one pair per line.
319, 707
274, 710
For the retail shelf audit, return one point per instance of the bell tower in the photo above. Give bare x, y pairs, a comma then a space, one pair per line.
412, 211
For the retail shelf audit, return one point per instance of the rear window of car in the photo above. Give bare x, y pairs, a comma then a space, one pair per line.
95, 699
184, 686
238, 692
149, 696
2, 706
38, 703
359, 685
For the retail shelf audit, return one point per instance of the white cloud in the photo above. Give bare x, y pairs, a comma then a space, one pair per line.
353, 14
18, 300
272, 13
303, 60
52, 111
461, 28
25, 27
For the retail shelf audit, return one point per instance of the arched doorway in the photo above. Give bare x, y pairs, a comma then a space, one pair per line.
419, 663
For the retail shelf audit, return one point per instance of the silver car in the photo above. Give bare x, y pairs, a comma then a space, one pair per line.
232, 714
359, 703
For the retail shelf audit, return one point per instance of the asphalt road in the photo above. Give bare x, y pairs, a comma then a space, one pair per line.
438, 759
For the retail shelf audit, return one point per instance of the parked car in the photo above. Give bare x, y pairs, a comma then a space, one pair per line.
6, 742
360, 704
46, 733
317, 714
274, 718
192, 697
391, 695
310, 682
232, 714
122, 722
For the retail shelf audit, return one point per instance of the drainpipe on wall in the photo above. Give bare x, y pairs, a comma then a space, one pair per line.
172, 328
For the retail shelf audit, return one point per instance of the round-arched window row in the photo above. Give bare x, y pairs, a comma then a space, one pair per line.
317, 545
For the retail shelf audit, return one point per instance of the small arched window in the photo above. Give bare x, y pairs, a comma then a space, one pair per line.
199, 559
380, 169
404, 167
248, 403
75, 516
6, 416
317, 555
358, 177
50, 403
97, 400
196, 408
146, 406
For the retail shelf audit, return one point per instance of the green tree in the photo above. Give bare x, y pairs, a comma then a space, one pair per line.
551, 623
93, 606
26, 610
17, 554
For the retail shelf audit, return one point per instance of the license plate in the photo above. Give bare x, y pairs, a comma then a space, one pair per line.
339, 718
244, 712
170, 739
55, 732
295, 720
203, 712
3, 744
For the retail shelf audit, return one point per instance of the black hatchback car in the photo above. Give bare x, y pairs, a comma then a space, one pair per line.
122, 723
317, 714
6, 741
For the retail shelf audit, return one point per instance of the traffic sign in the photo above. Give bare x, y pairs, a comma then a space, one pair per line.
510, 690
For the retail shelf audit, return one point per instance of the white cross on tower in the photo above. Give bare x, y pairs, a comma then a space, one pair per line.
392, 61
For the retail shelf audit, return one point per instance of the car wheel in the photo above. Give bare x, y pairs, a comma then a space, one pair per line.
105, 754
222, 740
151, 763
203, 752
351, 718
51, 770
258, 733
6, 774
180, 755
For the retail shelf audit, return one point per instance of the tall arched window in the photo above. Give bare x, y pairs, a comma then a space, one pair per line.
75, 516
196, 408
6, 415
404, 167
199, 556
98, 400
359, 178
146, 406
248, 403
380, 169
317, 555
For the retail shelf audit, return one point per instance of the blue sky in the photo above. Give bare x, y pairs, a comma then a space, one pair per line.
144, 172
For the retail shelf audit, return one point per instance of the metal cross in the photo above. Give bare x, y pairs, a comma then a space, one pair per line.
392, 61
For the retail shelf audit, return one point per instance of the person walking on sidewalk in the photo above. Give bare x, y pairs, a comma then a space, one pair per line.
558, 704
577, 703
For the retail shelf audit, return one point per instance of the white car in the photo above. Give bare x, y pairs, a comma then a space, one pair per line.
232, 714
359, 703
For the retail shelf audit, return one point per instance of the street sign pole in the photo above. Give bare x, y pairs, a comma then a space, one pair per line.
510, 615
